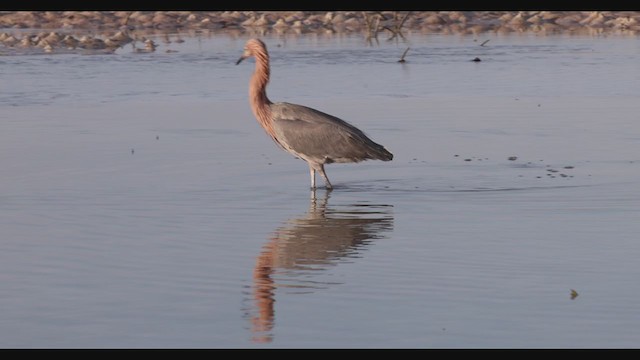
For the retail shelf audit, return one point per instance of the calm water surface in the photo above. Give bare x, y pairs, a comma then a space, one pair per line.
143, 206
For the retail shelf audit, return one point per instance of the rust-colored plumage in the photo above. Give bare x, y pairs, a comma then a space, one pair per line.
309, 134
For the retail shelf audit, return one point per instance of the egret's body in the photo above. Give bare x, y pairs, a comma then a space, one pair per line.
309, 134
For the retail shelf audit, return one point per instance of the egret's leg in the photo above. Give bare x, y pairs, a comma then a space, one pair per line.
324, 176
312, 171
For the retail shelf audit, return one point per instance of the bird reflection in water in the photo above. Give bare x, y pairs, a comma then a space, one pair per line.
322, 238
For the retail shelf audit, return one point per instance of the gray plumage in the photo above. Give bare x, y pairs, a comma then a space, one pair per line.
322, 138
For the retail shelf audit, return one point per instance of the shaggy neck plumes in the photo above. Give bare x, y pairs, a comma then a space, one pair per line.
258, 94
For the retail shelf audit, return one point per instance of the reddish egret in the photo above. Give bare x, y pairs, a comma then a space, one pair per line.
309, 134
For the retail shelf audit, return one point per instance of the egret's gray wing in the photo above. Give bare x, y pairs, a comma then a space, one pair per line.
321, 137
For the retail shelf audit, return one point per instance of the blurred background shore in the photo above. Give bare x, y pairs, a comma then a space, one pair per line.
441, 21
108, 30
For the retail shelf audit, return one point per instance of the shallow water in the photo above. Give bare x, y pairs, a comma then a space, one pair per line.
143, 206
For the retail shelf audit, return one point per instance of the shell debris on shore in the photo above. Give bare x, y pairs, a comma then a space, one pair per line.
106, 31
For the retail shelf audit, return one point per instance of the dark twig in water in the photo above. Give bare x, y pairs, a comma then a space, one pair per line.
403, 55
397, 26
372, 30
484, 42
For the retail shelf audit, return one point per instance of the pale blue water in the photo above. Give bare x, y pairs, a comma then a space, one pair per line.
143, 206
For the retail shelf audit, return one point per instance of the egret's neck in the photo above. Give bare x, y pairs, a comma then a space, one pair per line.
260, 103
258, 90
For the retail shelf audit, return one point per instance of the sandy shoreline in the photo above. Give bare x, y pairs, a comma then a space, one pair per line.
455, 21
105, 31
